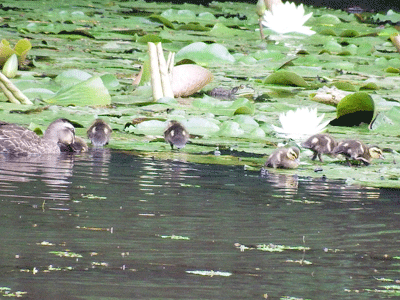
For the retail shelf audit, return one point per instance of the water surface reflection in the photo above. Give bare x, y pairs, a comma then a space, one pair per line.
133, 227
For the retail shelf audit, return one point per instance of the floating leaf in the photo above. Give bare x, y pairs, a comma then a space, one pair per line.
71, 77
231, 129
201, 126
370, 86
162, 20
387, 122
349, 33
210, 273
151, 127
344, 86
285, 78
354, 109
89, 92
202, 53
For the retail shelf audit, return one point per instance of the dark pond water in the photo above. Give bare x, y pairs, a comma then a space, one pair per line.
115, 214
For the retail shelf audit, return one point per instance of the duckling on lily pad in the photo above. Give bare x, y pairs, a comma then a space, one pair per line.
357, 150
17, 140
99, 133
285, 158
320, 144
176, 134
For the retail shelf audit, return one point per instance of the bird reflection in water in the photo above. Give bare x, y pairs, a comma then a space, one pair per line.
282, 181
53, 170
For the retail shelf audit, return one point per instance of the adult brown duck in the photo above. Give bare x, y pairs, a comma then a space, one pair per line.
18, 140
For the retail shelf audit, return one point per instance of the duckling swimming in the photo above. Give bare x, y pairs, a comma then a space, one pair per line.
176, 135
356, 150
18, 140
320, 144
99, 133
285, 158
78, 146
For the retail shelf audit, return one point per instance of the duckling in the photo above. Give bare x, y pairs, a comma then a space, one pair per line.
78, 146
356, 150
286, 158
176, 135
17, 140
320, 144
99, 133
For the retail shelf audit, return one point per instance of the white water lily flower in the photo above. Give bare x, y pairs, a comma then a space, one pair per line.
300, 124
287, 17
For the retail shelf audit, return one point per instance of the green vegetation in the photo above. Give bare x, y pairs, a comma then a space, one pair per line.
84, 58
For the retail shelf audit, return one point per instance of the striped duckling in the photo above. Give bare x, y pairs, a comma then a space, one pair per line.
285, 158
356, 150
320, 144
176, 135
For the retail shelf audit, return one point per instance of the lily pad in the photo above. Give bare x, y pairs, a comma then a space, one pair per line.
354, 109
89, 92
387, 122
202, 53
285, 78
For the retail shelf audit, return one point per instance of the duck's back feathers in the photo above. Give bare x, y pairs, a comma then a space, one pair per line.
320, 144
176, 135
285, 158
99, 133
357, 150
18, 140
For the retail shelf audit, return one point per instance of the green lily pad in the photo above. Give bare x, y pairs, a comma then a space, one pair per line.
162, 20
151, 127
345, 86
225, 108
349, 33
231, 128
285, 78
71, 77
201, 53
387, 122
201, 126
354, 109
89, 92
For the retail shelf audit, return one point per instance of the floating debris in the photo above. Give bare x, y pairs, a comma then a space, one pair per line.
210, 273
175, 237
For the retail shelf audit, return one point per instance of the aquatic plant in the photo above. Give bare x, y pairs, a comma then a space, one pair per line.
287, 17
300, 124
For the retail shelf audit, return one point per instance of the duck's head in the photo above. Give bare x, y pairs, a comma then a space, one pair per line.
293, 153
62, 131
376, 152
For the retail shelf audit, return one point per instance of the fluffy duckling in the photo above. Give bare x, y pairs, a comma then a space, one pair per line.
286, 158
320, 144
78, 146
176, 135
99, 133
356, 150
17, 140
